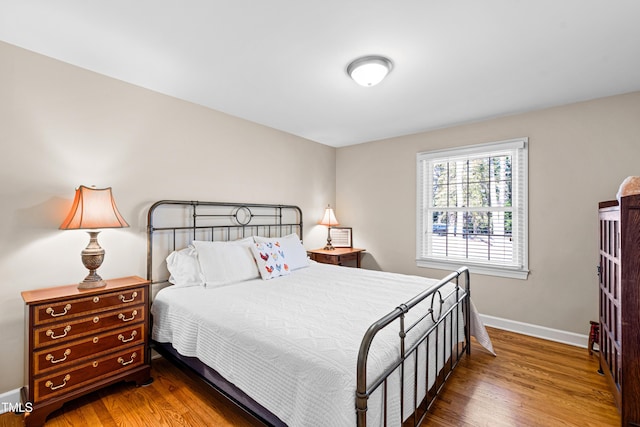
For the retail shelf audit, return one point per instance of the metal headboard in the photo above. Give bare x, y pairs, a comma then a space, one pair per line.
173, 224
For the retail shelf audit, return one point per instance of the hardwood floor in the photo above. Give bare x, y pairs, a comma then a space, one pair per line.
532, 382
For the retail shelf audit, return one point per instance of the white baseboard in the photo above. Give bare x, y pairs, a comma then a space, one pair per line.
10, 399
550, 334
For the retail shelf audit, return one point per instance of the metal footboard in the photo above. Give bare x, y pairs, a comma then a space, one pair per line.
448, 348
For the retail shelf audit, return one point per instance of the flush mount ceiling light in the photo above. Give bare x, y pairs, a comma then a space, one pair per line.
369, 70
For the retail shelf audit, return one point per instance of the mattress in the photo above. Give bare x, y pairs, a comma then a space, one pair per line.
291, 343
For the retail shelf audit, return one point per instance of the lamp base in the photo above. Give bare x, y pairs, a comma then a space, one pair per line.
329, 246
92, 257
91, 282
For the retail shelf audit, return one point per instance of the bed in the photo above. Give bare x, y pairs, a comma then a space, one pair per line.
291, 341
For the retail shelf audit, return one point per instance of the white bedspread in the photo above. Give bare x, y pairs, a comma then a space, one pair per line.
291, 343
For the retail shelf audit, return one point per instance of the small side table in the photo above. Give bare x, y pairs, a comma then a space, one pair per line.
337, 256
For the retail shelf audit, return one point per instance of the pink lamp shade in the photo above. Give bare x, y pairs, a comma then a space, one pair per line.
329, 220
93, 208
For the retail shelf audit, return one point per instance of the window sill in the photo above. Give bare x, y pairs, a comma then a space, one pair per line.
512, 273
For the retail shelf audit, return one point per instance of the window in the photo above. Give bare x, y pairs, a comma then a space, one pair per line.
472, 208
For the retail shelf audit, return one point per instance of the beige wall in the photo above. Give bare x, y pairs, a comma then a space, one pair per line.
578, 155
61, 126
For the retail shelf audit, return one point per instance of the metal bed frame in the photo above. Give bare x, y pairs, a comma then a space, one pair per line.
184, 221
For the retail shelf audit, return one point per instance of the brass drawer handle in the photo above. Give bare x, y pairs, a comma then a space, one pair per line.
122, 317
50, 385
50, 311
133, 297
52, 335
133, 336
123, 363
54, 361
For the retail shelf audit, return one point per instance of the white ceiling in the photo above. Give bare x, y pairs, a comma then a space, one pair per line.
282, 63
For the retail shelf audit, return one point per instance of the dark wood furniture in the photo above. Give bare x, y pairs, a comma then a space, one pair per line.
81, 340
337, 256
619, 273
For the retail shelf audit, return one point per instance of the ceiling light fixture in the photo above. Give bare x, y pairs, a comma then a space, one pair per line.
369, 70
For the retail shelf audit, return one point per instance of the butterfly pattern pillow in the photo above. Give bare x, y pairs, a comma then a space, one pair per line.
271, 259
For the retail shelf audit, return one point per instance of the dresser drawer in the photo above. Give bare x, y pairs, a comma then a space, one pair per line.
326, 259
64, 381
62, 356
64, 331
71, 308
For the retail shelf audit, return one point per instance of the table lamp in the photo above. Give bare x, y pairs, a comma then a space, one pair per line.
329, 220
93, 208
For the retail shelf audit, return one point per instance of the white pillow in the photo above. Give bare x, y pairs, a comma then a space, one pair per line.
223, 263
184, 268
271, 259
291, 244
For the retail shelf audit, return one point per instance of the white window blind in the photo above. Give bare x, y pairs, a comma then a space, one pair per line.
472, 208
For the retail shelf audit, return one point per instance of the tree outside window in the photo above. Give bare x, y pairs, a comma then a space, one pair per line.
472, 207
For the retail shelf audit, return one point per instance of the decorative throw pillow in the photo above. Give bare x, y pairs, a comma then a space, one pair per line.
271, 259
291, 244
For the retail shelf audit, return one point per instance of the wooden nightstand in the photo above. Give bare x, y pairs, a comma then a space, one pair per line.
81, 340
337, 256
